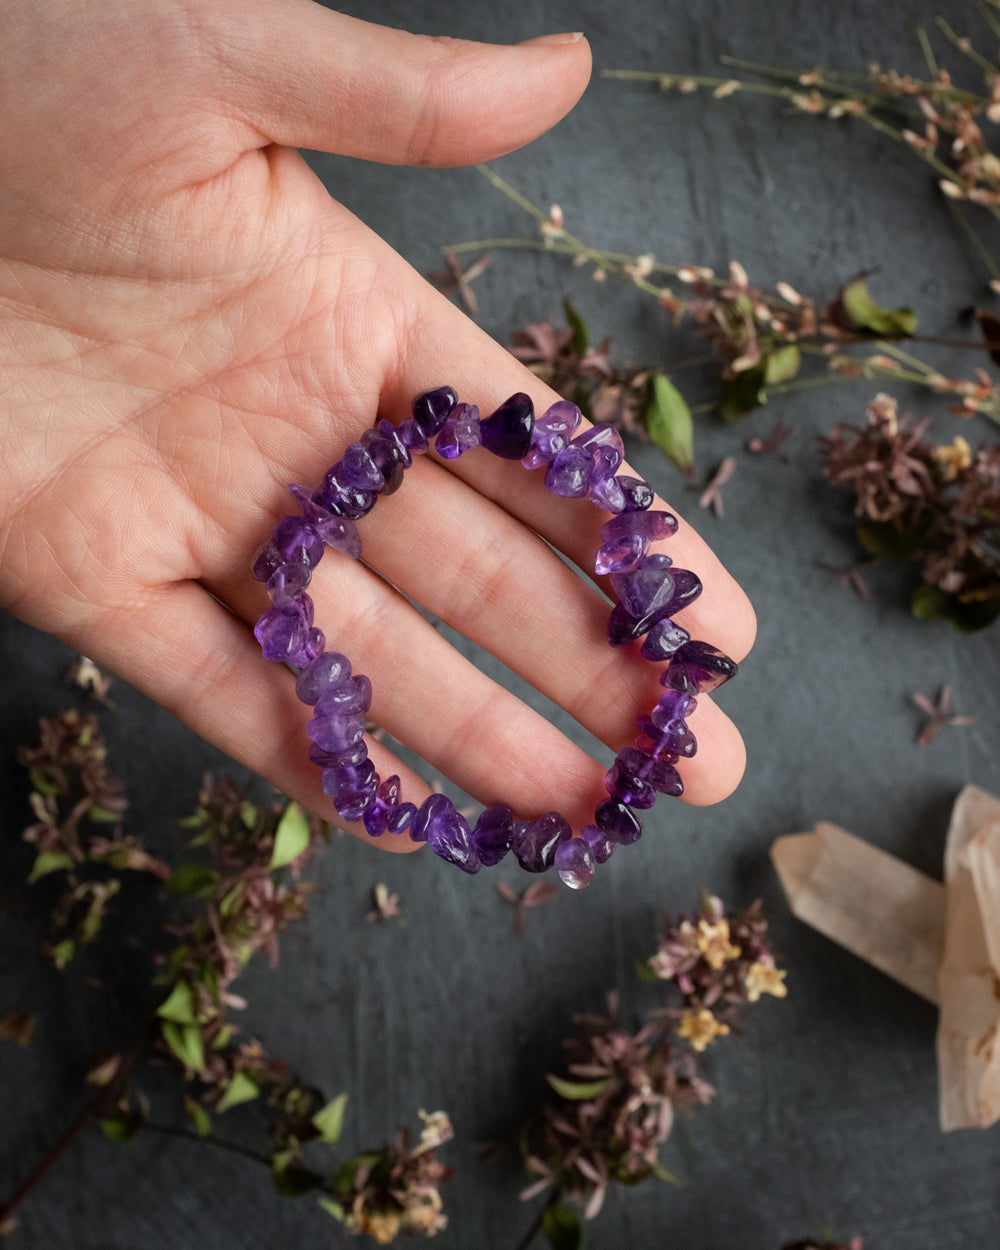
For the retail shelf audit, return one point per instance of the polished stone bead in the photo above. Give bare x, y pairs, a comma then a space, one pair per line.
534, 842
607, 494
431, 407
389, 453
623, 628
569, 474
287, 582
621, 554
697, 667
267, 559
605, 444
350, 697
339, 532
297, 541
659, 773
663, 640
388, 814
401, 450
325, 673
601, 846
413, 436
639, 495
492, 833
355, 754
460, 432
653, 741
668, 717
643, 590
356, 468
574, 862
446, 832
552, 432
618, 821
633, 790
507, 432
286, 633
336, 732
653, 524
352, 788
347, 501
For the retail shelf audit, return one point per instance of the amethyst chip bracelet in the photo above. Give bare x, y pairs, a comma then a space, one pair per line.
649, 589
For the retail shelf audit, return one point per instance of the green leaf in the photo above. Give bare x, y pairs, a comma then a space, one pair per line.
888, 542
644, 972
178, 1005
330, 1119
229, 903
332, 1208
661, 1173
562, 1227
103, 815
249, 813
199, 1116
578, 1091
186, 1042
193, 881
49, 861
63, 952
121, 1127
581, 336
240, 1089
743, 393
293, 1180
782, 365
864, 314
668, 421
291, 837
931, 603
42, 782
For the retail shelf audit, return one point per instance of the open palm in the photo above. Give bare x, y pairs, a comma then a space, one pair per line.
188, 322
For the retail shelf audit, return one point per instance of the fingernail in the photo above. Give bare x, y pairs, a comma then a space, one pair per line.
572, 36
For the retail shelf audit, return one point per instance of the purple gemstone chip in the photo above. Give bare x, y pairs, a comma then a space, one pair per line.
663, 639
492, 834
601, 846
431, 407
325, 673
569, 473
534, 842
460, 432
574, 862
697, 667
446, 831
507, 432
618, 821
286, 633
552, 432
653, 524
620, 555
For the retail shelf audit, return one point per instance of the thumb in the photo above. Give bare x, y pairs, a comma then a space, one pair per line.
303, 76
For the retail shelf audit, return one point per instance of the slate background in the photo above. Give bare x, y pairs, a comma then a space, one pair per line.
825, 1117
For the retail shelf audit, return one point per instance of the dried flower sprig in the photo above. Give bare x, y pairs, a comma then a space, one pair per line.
236, 905
935, 504
614, 1106
75, 795
937, 120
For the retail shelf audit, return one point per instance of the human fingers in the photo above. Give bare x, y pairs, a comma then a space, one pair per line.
304, 76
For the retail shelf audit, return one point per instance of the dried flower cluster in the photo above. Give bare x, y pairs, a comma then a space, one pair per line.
78, 804
396, 1189
935, 504
615, 1106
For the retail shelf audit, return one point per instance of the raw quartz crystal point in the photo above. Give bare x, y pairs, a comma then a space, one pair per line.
507, 432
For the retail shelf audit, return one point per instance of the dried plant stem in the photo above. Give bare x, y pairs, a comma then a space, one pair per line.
536, 1224
91, 1112
177, 1130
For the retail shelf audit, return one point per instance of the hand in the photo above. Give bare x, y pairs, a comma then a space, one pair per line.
188, 322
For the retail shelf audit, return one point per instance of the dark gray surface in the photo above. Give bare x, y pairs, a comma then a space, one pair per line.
826, 1109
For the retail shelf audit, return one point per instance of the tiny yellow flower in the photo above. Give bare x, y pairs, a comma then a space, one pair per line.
954, 457
382, 1225
714, 943
765, 979
701, 1028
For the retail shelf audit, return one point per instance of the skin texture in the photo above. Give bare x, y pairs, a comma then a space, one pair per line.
188, 322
